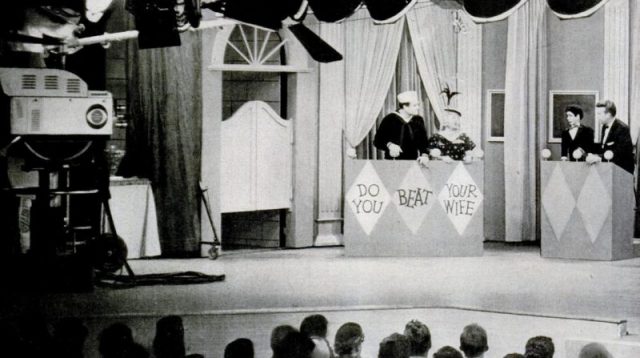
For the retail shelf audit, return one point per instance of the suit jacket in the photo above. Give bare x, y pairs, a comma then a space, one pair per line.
619, 142
583, 139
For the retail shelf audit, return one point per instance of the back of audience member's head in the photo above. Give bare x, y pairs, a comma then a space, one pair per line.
69, 335
240, 348
295, 345
594, 350
314, 325
473, 341
447, 352
419, 336
278, 335
539, 347
514, 355
395, 346
115, 341
349, 338
169, 339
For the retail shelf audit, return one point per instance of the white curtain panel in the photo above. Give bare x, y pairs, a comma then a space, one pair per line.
634, 103
434, 43
371, 52
524, 95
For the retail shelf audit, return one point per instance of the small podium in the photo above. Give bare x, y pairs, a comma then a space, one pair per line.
587, 211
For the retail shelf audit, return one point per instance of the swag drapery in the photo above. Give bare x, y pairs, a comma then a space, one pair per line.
427, 55
371, 52
164, 137
406, 78
491, 10
434, 43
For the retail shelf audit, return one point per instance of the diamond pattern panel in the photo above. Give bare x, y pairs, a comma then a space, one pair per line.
557, 191
414, 198
594, 216
367, 198
460, 198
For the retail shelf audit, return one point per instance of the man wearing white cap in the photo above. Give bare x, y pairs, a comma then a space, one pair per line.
402, 134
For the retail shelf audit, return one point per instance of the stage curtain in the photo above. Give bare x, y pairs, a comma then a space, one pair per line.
525, 101
164, 137
469, 75
572, 9
491, 10
371, 52
634, 88
406, 78
634, 102
434, 43
616, 56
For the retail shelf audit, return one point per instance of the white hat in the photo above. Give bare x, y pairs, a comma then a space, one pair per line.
408, 97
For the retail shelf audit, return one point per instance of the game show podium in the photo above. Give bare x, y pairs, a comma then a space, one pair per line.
399, 208
587, 211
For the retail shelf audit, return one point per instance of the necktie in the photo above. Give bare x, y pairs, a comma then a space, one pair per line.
604, 131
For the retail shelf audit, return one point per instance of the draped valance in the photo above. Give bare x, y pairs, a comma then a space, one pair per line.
496, 10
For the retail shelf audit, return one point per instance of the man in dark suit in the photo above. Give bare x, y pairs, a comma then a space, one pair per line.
615, 137
577, 137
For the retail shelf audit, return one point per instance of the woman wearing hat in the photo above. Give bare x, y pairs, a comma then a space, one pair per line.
402, 134
450, 143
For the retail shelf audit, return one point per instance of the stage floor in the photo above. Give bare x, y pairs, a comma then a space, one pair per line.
508, 278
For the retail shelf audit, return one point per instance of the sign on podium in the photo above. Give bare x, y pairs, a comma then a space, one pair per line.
398, 208
587, 211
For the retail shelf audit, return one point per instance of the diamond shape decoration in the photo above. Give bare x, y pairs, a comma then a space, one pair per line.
367, 198
414, 198
460, 198
557, 201
594, 216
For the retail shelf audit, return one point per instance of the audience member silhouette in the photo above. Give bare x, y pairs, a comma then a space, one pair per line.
295, 345
278, 335
419, 337
240, 348
116, 341
395, 346
69, 336
348, 342
594, 350
514, 355
539, 347
447, 352
315, 327
169, 339
473, 341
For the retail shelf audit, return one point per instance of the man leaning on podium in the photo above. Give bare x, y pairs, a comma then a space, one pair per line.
615, 137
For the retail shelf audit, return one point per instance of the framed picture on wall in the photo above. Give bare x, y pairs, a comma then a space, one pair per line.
558, 102
494, 121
